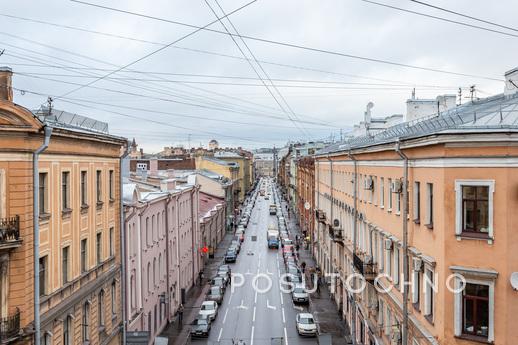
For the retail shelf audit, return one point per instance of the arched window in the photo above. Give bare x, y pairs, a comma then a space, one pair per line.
159, 266
86, 322
133, 302
147, 231
67, 331
148, 277
154, 272
100, 308
153, 228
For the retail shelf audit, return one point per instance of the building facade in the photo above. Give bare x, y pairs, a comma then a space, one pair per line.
452, 245
306, 197
79, 226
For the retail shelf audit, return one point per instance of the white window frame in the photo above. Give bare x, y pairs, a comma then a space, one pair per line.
417, 201
395, 270
429, 205
415, 286
458, 305
381, 253
382, 193
389, 204
429, 289
458, 204
398, 203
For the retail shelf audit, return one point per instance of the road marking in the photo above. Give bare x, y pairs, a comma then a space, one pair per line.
248, 272
282, 300
242, 306
220, 332
283, 316
298, 308
285, 336
255, 298
225, 317
268, 272
270, 306
252, 336
253, 317
230, 298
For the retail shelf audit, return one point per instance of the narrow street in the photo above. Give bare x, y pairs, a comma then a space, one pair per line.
249, 313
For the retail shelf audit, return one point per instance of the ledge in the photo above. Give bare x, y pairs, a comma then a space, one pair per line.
66, 212
475, 272
475, 338
429, 226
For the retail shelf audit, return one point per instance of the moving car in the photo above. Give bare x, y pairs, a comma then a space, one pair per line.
230, 255
299, 294
305, 324
215, 294
273, 209
273, 242
201, 326
209, 308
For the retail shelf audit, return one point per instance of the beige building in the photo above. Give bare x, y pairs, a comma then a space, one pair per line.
244, 171
79, 225
456, 247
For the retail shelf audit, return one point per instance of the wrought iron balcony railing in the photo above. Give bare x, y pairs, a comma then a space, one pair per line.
9, 229
365, 267
10, 327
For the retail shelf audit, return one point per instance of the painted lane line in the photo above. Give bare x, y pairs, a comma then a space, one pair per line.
252, 336
282, 299
242, 306
283, 316
285, 336
298, 307
225, 317
220, 332
255, 298
270, 306
253, 316
268, 272
230, 298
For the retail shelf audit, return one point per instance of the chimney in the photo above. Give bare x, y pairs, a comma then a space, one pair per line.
153, 166
6, 90
511, 82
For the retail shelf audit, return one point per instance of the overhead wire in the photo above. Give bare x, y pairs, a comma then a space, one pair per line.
292, 45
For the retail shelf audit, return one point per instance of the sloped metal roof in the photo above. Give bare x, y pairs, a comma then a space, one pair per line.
495, 113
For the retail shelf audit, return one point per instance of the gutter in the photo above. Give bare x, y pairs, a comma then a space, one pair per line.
355, 240
36, 228
404, 333
123, 248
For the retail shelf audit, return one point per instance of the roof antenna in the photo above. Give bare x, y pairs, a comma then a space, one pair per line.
460, 96
49, 104
472, 91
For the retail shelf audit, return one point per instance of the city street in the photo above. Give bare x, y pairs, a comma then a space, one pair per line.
249, 314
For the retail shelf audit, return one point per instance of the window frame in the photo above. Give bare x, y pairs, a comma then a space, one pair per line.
100, 309
111, 185
84, 255
43, 188
459, 209
382, 193
65, 265
85, 323
84, 187
429, 205
417, 202
65, 190
99, 247
43, 272
98, 186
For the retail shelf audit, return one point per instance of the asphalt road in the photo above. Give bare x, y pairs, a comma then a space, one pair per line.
255, 315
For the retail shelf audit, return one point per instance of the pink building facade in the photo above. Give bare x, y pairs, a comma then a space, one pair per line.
163, 258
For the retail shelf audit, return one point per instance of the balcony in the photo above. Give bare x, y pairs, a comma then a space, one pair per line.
10, 233
365, 267
321, 216
337, 234
10, 328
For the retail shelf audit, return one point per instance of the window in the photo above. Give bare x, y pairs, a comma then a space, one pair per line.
475, 309
148, 277
396, 264
429, 288
417, 202
86, 322
398, 203
67, 328
133, 294
475, 209
429, 205
43, 188
389, 195
112, 242
154, 272
382, 192
83, 255
65, 190
98, 183
100, 308
111, 184
84, 188
416, 285
147, 231
64, 264
114, 298
99, 247
43, 275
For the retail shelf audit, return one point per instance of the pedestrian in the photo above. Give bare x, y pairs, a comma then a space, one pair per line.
180, 316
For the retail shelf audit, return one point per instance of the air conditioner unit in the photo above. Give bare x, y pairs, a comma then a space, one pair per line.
388, 244
368, 183
418, 264
396, 186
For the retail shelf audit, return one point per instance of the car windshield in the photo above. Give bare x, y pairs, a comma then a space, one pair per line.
207, 306
307, 321
215, 291
299, 290
201, 322
230, 252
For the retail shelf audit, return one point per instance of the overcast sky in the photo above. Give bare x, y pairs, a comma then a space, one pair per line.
184, 96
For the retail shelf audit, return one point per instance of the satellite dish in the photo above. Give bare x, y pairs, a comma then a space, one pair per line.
514, 280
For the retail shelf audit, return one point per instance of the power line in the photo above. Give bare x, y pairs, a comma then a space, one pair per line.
440, 18
153, 52
291, 45
464, 15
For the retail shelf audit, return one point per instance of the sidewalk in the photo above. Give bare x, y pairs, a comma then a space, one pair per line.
195, 296
321, 304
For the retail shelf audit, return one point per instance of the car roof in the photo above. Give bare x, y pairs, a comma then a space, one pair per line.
305, 315
208, 302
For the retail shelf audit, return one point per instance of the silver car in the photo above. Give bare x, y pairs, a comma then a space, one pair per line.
300, 295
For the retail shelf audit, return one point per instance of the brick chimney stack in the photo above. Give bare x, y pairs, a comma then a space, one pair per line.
6, 90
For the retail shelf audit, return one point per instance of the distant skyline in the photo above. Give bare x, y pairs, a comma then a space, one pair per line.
202, 88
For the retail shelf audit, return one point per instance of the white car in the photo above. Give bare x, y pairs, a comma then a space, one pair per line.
306, 324
209, 308
299, 294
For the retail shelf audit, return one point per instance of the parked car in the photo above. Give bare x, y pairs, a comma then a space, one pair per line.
236, 244
225, 275
201, 326
209, 308
299, 294
305, 324
215, 294
240, 236
293, 271
231, 255
240, 228
225, 268
218, 281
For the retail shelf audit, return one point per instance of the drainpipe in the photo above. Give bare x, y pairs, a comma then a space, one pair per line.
404, 333
167, 266
331, 214
123, 248
36, 227
355, 214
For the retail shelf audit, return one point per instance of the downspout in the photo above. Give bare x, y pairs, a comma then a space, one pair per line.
331, 215
36, 227
404, 333
168, 248
355, 240
194, 249
123, 248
